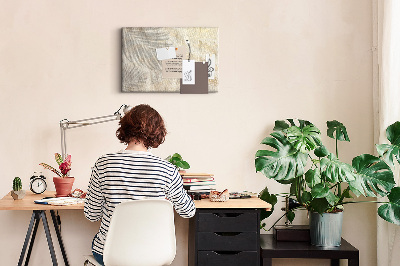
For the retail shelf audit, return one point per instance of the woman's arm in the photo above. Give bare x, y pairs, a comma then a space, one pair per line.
183, 204
94, 200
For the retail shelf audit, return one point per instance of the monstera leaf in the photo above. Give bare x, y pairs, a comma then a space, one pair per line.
388, 151
319, 205
337, 130
391, 211
281, 125
312, 177
285, 163
304, 139
321, 190
271, 199
336, 171
373, 176
321, 151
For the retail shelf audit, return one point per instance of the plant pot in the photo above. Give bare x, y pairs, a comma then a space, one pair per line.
63, 185
326, 229
17, 195
182, 171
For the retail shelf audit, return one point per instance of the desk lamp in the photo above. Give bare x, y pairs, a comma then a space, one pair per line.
66, 124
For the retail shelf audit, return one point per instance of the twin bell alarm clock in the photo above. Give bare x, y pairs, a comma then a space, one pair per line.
38, 183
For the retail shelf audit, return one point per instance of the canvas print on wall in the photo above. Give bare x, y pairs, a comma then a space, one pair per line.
157, 59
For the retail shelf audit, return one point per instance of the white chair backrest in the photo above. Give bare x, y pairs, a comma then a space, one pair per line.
141, 232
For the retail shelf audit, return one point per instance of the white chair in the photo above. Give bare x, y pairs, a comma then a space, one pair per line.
141, 232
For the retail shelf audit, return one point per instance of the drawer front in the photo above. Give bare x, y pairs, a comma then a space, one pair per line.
243, 241
228, 222
211, 258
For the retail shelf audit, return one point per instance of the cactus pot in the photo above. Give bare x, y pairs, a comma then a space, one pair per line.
326, 229
63, 185
17, 195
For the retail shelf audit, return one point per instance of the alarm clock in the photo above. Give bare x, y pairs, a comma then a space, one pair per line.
38, 183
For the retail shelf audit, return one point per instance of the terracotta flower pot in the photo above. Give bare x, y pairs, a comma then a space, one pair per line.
63, 185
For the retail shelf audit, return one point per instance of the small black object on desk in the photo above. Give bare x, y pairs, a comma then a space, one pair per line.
195, 195
270, 248
293, 233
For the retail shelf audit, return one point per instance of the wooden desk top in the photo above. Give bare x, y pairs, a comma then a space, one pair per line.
250, 203
8, 203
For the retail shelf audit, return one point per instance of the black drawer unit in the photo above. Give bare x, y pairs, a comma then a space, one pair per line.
224, 237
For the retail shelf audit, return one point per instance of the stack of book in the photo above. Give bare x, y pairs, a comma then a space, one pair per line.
198, 182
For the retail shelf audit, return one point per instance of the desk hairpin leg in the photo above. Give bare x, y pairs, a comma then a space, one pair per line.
58, 233
32, 240
34, 223
34, 219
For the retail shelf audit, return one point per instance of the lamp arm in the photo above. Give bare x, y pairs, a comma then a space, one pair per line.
91, 119
87, 122
66, 124
63, 142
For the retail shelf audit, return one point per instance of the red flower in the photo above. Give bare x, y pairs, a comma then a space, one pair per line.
65, 167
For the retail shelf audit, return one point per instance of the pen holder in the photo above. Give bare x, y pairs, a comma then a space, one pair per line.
219, 196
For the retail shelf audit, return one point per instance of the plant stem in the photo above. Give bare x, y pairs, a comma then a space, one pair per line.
334, 186
337, 151
342, 196
364, 201
299, 186
337, 156
277, 221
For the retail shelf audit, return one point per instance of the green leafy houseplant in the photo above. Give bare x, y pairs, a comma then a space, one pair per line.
318, 180
176, 159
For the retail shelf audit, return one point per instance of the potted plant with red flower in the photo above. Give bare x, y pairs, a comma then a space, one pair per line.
62, 181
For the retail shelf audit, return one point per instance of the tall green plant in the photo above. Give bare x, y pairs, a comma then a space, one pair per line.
318, 179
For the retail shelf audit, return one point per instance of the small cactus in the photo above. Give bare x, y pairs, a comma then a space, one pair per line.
17, 184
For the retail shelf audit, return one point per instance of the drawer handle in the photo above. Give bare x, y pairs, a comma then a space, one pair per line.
227, 233
227, 214
227, 252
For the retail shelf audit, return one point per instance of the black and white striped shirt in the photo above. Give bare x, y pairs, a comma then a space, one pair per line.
131, 175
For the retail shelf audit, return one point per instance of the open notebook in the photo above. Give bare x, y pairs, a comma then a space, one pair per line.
60, 201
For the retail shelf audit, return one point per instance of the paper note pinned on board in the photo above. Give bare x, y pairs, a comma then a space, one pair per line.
188, 72
165, 53
172, 68
210, 59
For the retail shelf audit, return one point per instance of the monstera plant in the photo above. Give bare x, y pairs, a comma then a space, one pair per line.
319, 181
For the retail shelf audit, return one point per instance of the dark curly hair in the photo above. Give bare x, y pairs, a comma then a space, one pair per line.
142, 124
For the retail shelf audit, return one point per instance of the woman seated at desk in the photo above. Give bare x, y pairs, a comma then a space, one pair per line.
133, 173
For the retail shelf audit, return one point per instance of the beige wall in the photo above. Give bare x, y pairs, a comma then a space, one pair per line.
278, 59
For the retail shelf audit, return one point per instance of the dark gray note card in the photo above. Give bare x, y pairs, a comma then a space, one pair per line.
201, 80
